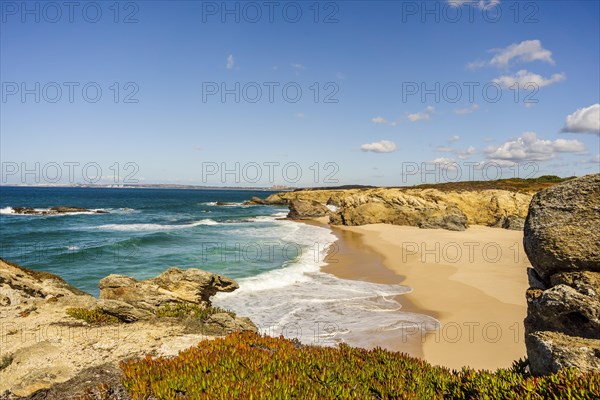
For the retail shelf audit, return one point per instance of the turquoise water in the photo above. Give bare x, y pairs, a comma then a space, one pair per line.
277, 262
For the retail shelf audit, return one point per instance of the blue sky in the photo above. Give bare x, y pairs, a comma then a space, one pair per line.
360, 119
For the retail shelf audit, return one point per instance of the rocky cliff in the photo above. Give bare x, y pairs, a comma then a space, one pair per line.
44, 342
425, 208
562, 241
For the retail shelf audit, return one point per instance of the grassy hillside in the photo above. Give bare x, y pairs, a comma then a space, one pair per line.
514, 184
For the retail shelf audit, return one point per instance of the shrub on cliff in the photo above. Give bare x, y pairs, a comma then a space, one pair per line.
247, 365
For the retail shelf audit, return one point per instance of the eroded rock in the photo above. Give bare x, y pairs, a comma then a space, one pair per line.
54, 210
562, 230
172, 286
48, 346
562, 241
301, 209
549, 352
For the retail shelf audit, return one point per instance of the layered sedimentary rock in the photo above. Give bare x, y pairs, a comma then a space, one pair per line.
562, 241
172, 286
425, 208
302, 209
41, 345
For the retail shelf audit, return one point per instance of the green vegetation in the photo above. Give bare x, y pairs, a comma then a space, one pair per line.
514, 184
94, 317
5, 361
247, 365
186, 310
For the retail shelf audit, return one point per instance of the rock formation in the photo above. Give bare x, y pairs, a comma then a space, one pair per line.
172, 286
425, 208
54, 210
41, 345
562, 241
302, 209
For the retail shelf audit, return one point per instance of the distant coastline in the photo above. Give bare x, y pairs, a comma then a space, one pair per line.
275, 188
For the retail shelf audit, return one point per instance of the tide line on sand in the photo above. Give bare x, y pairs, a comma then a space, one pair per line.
473, 282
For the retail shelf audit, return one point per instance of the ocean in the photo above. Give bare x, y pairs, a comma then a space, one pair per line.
276, 262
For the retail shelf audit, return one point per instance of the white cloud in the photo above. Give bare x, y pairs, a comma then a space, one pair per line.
476, 64
468, 110
418, 117
464, 154
460, 153
444, 162
479, 4
378, 120
529, 148
525, 79
524, 52
383, 146
230, 62
298, 67
300, 115
421, 116
584, 120
454, 138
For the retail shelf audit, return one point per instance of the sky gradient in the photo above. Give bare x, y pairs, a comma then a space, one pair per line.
190, 89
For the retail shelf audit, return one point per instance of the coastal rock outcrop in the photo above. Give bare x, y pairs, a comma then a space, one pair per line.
425, 208
562, 241
172, 286
54, 210
43, 344
302, 209
511, 222
17, 284
561, 232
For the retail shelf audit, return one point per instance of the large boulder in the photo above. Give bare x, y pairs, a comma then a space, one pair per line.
549, 352
562, 241
301, 209
172, 286
562, 229
564, 309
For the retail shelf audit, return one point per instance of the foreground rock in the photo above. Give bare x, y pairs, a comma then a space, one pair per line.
54, 210
562, 241
563, 225
301, 209
42, 346
172, 286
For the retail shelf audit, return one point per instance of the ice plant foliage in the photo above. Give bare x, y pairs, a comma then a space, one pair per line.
247, 365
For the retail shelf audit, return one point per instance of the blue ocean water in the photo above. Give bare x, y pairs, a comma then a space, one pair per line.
277, 262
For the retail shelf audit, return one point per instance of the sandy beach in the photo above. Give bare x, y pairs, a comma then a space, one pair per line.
473, 282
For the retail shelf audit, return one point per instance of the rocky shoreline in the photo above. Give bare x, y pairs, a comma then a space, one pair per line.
423, 208
54, 211
52, 332
60, 342
562, 241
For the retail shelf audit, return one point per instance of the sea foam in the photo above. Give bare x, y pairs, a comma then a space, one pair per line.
299, 301
154, 227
